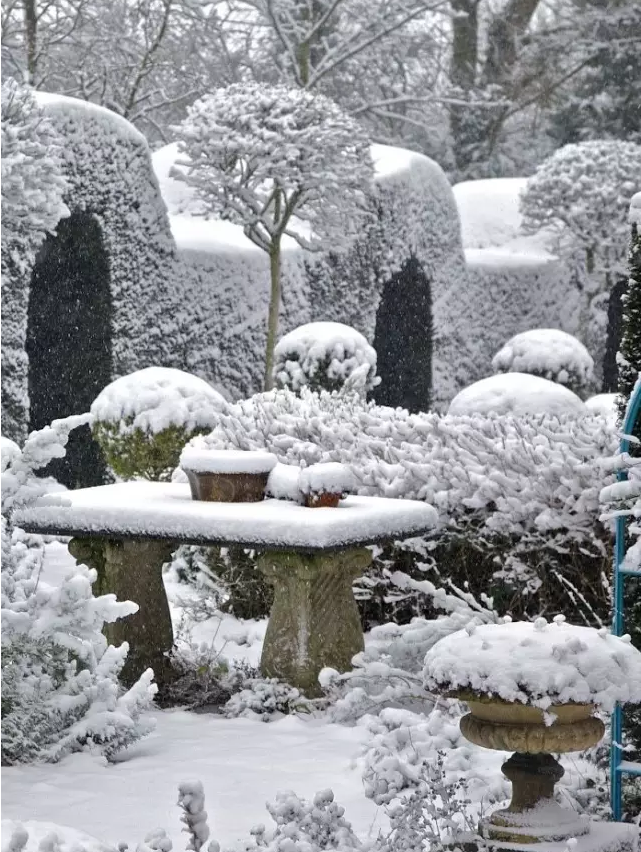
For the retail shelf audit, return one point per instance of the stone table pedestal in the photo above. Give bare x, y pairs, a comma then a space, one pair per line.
127, 530
132, 570
314, 621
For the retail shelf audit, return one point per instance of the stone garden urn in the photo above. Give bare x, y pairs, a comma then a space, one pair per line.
533, 688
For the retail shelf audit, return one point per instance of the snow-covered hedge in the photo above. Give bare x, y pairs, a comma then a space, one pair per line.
551, 354
143, 420
32, 204
521, 274
60, 689
227, 278
112, 180
324, 356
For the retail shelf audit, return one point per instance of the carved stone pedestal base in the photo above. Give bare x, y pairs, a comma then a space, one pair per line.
601, 837
532, 816
314, 620
132, 570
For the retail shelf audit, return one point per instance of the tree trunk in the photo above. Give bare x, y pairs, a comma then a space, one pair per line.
31, 43
465, 40
274, 308
505, 30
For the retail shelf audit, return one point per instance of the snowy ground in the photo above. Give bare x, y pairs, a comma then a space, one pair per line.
241, 762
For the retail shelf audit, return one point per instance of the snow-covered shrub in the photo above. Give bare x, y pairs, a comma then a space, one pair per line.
266, 697
191, 798
550, 354
604, 404
32, 205
60, 690
517, 496
515, 393
323, 356
581, 196
143, 420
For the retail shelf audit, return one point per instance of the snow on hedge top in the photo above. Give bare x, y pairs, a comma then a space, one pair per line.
155, 398
87, 111
323, 348
537, 663
635, 209
549, 353
491, 225
489, 210
516, 393
205, 460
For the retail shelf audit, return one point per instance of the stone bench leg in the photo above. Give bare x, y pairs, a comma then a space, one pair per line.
132, 570
314, 621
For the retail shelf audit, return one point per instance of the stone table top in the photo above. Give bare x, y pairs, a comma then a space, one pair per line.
164, 510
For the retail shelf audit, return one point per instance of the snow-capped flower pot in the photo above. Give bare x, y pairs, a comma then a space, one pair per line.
227, 476
323, 485
532, 688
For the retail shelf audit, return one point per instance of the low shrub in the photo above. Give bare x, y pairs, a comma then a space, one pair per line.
518, 497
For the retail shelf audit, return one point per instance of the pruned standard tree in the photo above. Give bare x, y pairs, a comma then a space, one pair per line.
280, 162
581, 196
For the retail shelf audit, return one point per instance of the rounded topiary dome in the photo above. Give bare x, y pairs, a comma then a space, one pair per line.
143, 420
518, 394
550, 354
325, 356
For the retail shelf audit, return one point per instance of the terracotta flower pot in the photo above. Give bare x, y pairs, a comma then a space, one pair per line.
227, 487
227, 476
324, 500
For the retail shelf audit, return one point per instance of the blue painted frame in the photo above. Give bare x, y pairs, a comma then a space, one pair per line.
618, 768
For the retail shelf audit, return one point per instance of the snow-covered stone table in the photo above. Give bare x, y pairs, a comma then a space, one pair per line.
127, 532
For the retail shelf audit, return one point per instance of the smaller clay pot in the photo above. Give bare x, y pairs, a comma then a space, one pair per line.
227, 487
326, 500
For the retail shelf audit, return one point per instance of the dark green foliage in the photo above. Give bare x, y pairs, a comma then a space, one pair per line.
630, 351
629, 369
551, 579
141, 454
603, 99
403, 340
69, 340
250, 595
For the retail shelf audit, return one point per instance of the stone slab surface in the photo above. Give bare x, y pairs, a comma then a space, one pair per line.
165, 510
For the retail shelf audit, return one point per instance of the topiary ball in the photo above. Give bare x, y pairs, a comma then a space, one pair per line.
143, 420
325, 356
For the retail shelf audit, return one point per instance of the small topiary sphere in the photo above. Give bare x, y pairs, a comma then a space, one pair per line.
143, 420
550, 354
325, 356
